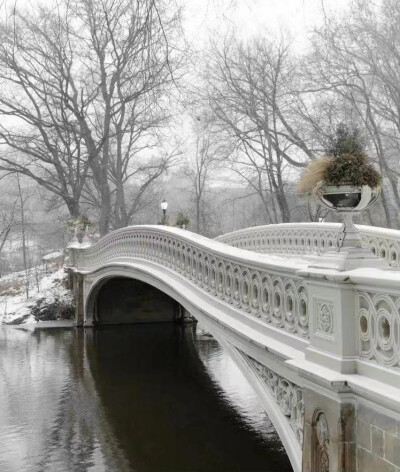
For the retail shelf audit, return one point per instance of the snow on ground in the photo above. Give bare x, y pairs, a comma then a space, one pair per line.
15, 306
52, 256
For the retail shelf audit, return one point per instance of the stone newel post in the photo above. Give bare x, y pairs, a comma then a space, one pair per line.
329, 411
333, 340
76, 281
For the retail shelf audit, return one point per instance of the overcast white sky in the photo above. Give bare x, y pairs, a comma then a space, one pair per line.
201, 17
296, 17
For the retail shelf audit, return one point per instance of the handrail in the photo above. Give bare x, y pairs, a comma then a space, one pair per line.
262, 286
312, 239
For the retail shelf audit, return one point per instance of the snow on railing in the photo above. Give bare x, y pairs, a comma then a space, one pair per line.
312, 239
264, 287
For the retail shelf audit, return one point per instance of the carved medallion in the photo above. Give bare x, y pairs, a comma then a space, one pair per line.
324, 318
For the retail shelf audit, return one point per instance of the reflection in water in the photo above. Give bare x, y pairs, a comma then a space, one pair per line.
138, 398
235, 388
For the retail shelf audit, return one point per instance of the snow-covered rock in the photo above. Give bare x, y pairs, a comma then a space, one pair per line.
46, 293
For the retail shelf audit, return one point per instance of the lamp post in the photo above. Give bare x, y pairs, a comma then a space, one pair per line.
164, 206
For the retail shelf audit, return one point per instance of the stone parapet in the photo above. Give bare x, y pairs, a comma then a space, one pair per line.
312, 239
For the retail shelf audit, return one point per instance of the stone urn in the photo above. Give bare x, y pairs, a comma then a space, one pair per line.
348, 200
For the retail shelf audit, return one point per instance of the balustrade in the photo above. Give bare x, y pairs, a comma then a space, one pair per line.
312, 239
274, 295
379, 327
275, 291
286, 394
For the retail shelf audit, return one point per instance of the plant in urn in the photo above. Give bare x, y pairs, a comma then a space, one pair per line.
345, 181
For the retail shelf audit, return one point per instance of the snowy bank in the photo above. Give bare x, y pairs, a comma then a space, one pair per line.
48, 299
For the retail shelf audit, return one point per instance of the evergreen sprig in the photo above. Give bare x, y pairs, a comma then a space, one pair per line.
346, 140
354, 170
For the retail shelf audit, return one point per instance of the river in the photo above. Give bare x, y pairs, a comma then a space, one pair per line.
139, 398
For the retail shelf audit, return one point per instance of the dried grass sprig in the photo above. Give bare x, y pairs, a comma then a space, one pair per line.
314, 174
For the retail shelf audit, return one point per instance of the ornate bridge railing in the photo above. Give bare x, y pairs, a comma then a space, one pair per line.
254, 284
312, 239
317, 344
378, 321
279, 292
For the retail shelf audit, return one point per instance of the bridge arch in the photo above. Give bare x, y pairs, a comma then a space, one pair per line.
127, 300
109, 273
194, 304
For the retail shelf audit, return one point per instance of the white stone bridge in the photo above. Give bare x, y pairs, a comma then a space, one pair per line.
320, 347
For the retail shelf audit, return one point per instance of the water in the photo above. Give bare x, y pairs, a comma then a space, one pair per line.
138, 398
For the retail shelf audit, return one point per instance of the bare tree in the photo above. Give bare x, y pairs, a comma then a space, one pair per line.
75, 78
25, 256
205, 153
251, 92
7, 221
356, 60
137, 160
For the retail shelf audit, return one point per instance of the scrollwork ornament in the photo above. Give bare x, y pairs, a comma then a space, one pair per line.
325, 318
302, 316
324, 462
281, 300
322, 430
293, 239
287, 395
378, 321
290, 306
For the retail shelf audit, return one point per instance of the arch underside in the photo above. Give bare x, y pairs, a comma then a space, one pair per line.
280, 397
125, 300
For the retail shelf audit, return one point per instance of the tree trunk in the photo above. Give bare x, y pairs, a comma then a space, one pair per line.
283, 207
24, 248
120, 212
386, 209
198, 230
73, 208
104, 223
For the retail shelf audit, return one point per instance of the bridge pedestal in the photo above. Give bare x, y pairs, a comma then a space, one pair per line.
329, 432
183, 316
77, 287
332, 321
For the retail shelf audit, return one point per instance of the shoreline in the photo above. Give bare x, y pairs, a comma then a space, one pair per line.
43, 325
